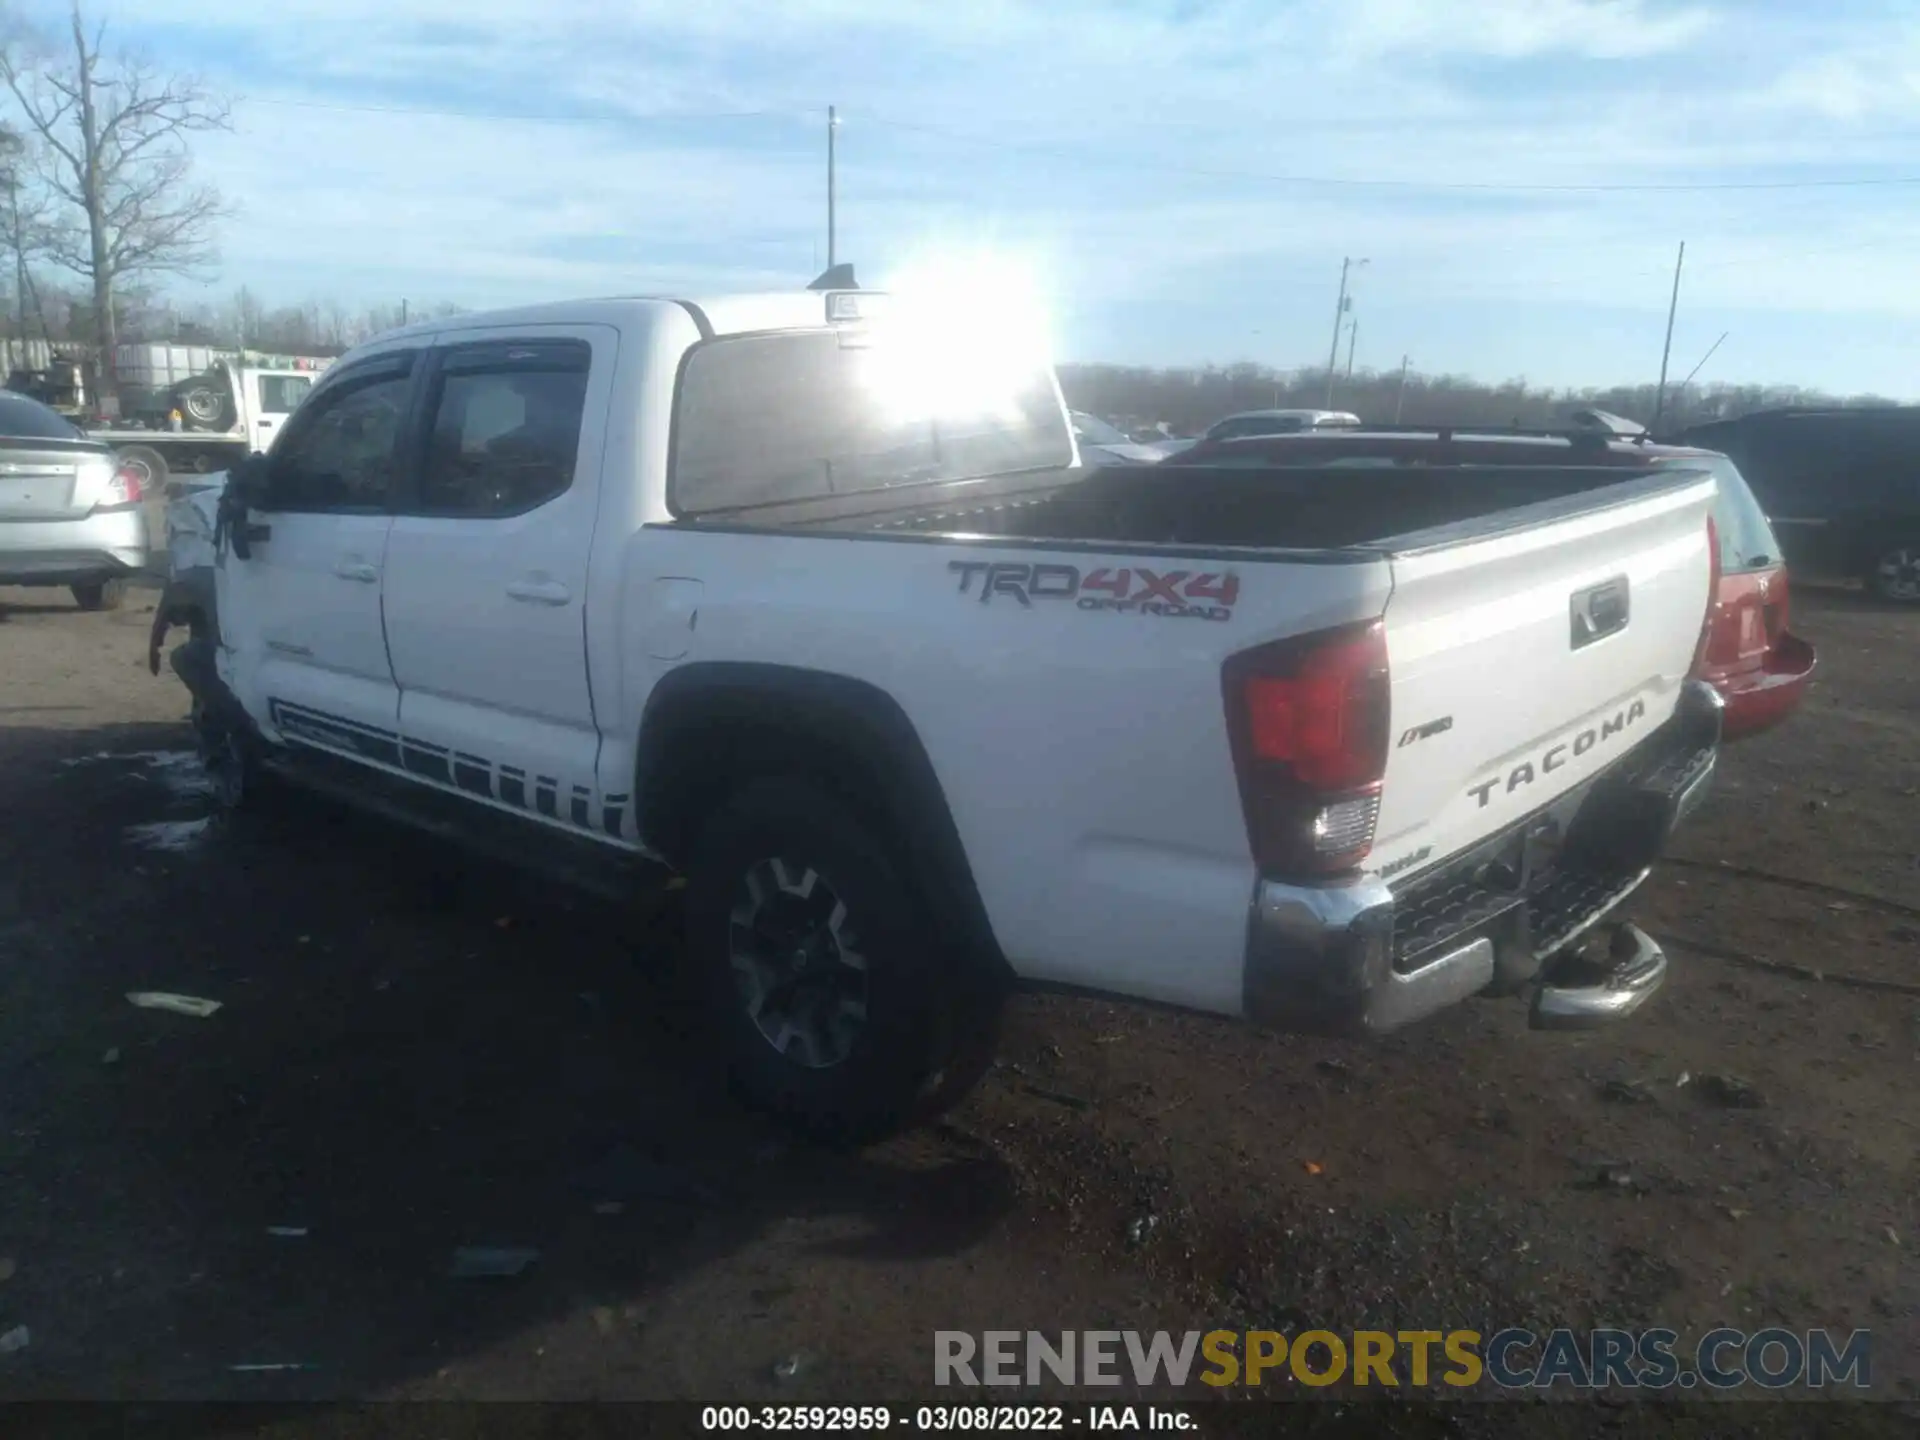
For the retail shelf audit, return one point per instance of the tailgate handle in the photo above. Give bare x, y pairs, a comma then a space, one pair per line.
1599, 611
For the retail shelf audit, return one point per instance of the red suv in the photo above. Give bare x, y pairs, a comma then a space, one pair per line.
1747, 653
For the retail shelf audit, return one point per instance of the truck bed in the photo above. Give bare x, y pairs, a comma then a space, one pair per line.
1281, 508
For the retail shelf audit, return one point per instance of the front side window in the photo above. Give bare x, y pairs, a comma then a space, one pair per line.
342, 455
505, 428
762, 419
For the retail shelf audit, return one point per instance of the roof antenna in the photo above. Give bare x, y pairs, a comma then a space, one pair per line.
836, 277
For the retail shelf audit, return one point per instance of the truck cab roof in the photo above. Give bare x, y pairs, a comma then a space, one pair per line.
736, 314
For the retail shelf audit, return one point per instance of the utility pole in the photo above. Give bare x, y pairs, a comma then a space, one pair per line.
833, 125
403, 312
1666, 352
1400, 402
1353, 339
1347, 265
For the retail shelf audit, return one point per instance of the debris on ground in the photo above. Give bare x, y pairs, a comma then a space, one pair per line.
1627, 1092
7, 1270
112, 1057
609, 1207
790, 1368
271, 1366
603, 1319
1730, 1091
1059, 1097
1140, 1230
1331, 1066
170, 835
1614, 1175
1893, 1235
179, 1004
288, 1232
1733, 1212
15, 1340
1313, 1167
488, 1262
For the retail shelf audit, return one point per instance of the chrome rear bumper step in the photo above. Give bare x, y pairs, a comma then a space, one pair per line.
1638, 970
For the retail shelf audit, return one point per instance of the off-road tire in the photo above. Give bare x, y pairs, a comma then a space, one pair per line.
931, 1014
1895, 575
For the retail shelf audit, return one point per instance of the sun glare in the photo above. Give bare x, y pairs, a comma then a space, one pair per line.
961, 337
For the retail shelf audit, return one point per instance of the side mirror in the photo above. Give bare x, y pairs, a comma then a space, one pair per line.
249, 482
247, 489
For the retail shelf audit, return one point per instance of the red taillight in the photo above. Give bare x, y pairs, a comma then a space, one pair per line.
125, 487
1309, 722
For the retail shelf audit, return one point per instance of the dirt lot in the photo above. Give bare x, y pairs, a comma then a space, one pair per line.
415, 1054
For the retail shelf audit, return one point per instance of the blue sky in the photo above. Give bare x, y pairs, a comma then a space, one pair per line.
1184, 175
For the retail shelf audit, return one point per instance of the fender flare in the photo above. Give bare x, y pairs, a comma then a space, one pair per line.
710, 726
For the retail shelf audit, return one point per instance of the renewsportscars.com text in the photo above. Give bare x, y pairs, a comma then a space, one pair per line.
1721, 1359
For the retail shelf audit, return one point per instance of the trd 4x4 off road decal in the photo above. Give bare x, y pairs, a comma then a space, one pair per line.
1135, 590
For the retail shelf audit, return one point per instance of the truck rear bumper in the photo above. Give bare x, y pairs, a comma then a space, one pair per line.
1364, 957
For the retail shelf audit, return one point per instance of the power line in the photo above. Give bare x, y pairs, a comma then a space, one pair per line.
535, 117
1358, 182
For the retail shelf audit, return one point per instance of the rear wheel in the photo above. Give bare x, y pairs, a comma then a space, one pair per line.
1896, 575
100, 594
838, 1006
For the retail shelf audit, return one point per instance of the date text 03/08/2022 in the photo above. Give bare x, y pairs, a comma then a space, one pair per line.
976, 1419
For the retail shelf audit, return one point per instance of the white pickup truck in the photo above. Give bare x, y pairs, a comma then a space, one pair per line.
805, 597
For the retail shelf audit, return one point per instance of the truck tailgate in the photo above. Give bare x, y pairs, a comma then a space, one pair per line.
1525, 662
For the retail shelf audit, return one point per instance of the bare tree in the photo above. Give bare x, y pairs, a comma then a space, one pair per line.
22, 230
113, 136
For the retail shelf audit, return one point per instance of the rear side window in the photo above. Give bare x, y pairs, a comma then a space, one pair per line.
22, 418
505, 427
761, 419
279, 394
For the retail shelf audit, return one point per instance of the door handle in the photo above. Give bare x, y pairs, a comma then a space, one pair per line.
356, 570
539, 592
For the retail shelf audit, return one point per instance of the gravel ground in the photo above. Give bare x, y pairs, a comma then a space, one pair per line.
416, 1053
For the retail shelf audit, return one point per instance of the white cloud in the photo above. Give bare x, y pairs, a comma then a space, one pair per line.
1519, 29
1124, 145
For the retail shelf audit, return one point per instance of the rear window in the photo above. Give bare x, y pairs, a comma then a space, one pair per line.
1746, 539
763, 419
282, 394
22, 418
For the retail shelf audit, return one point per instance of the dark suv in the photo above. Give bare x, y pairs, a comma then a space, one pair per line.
1842, 488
